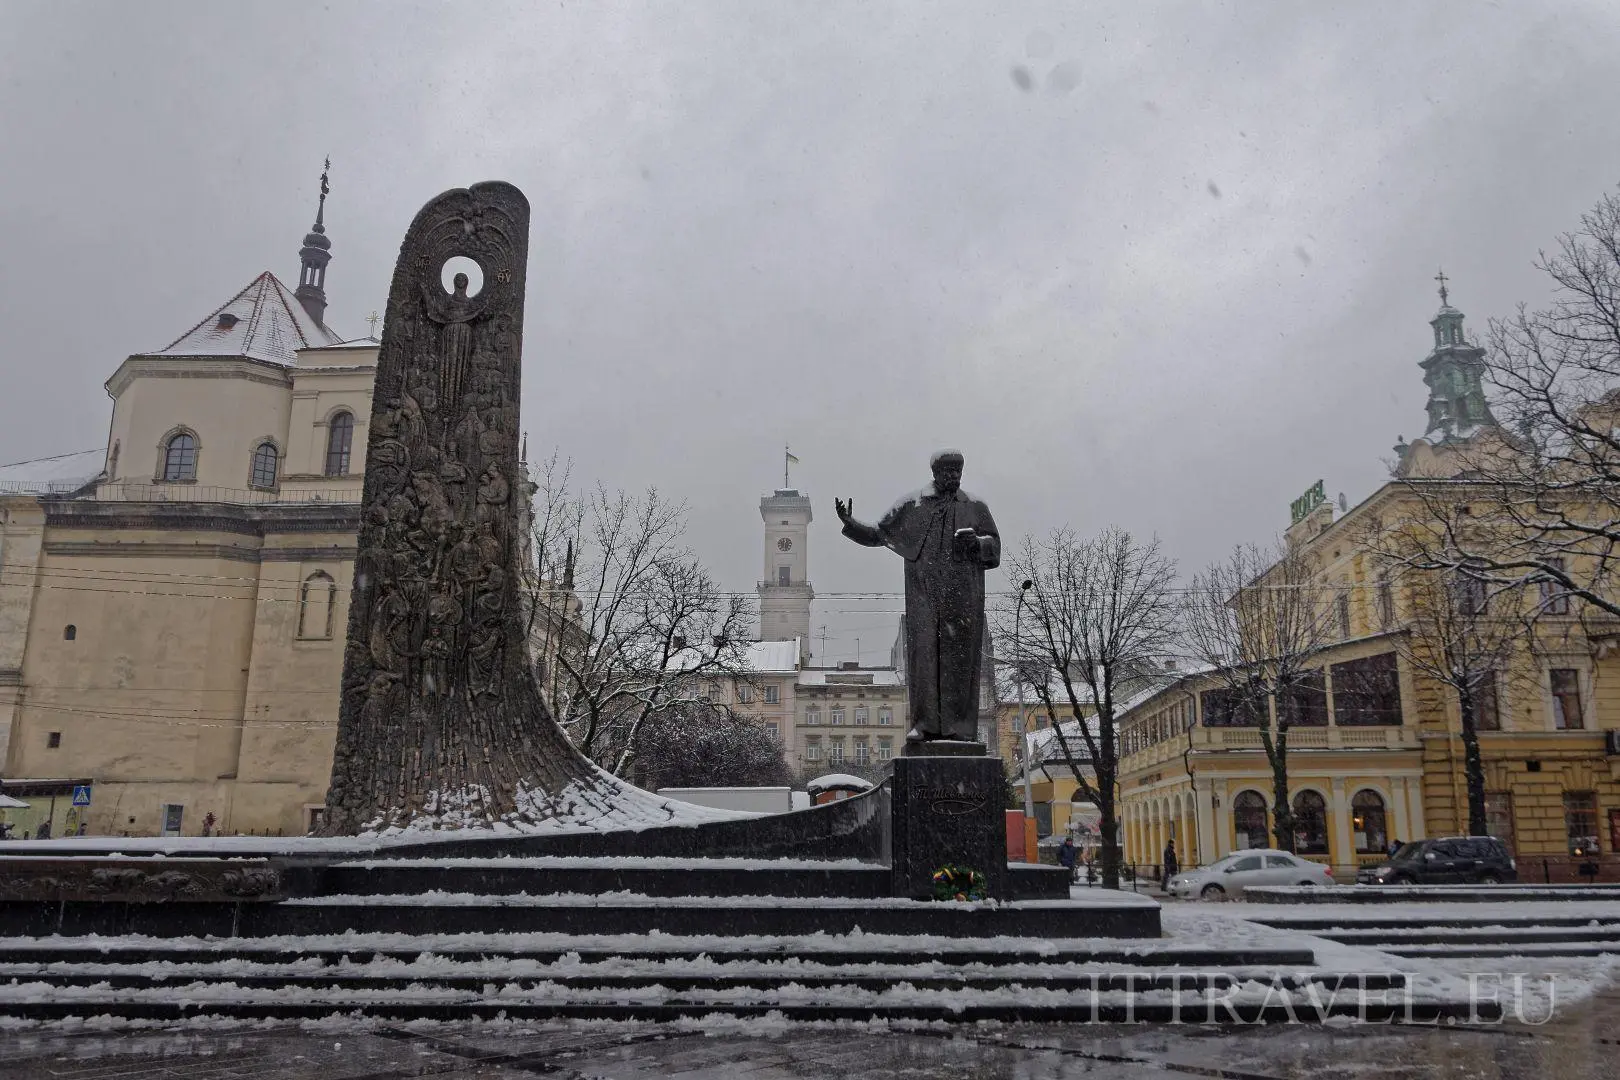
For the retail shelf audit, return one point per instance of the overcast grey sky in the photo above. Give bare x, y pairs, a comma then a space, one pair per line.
1158, 265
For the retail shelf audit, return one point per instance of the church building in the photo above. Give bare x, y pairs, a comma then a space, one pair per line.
173, 604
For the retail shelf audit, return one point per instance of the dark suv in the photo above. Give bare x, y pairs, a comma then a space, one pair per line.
1447, 860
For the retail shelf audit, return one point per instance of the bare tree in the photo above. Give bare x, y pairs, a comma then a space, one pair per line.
1258, 620
624, 622
1463, 633
707, 745
1541, 492
1098, 614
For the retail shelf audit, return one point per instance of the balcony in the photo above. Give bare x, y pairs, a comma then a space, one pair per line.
1206, 740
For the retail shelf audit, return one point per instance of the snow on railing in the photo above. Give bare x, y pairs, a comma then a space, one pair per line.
207, 493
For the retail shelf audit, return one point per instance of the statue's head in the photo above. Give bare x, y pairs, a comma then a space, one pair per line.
947, 466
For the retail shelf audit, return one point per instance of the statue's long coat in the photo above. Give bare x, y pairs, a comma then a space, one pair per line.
944, 605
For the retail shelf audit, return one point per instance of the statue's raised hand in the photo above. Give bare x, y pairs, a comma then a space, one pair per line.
846, 510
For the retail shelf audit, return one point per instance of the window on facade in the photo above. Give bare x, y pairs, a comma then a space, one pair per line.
339, 444
180, 458
885, 749
773, 730
1018, 725
784, 575
1468, 591
53, 740
863, 752
1386, 602
1367, 692
745, 694
773, 694
317, 600
70, 632
812, 716
836, 715
885, 717
1581, 822
1310, 824
263, 472
1554, 600
835, 752
812, 750
1483, 707
1499, 816
1228, 707
1304, 703
1367, 822
1566, 698
861, 715
1341, 606
1249, 819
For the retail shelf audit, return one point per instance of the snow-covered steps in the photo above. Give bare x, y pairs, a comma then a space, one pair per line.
540, 875
1545, 928
655, 977
1450, 894
1121, 915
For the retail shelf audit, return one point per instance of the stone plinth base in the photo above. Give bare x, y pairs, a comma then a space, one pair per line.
946, 811
944, 748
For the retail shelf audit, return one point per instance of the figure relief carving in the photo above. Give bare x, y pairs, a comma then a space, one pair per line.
438, 693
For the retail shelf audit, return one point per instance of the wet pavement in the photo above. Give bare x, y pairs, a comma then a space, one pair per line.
1581, 1043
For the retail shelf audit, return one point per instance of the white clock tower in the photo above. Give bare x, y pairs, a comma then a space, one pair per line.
784, 591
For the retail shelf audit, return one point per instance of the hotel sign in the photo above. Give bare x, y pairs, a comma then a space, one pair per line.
1301, 508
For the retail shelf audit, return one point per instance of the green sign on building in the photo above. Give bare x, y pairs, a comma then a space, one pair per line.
1301, 507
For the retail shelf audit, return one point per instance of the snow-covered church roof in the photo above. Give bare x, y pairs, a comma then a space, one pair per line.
54, 475
264, 321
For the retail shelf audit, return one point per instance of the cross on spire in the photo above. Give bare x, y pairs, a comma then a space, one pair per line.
372, 320
1441, 278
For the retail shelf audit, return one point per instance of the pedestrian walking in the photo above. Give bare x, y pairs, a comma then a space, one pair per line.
1171, 866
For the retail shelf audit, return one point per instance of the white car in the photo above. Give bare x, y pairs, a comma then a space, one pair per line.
1228, 877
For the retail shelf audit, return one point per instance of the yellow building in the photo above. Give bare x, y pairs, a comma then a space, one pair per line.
1192, 772
1391, 767
172, 617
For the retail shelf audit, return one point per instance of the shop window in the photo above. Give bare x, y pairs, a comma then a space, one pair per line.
1581, 822
1367, 822
1250, 819
1310, 824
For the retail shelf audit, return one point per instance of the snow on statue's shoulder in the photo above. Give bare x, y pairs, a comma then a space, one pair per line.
925, 492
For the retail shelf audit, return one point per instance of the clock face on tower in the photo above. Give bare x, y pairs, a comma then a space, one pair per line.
784, 544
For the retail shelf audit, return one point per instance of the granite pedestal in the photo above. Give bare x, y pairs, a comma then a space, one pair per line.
946, 811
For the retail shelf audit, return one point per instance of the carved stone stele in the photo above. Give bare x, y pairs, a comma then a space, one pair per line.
441, 721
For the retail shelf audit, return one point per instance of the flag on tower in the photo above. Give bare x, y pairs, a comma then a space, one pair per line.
787, 459
791, 459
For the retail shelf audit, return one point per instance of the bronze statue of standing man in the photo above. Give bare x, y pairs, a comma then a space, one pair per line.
948, 540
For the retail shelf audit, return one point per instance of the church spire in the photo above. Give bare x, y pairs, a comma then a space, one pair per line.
1454, 372
313, 257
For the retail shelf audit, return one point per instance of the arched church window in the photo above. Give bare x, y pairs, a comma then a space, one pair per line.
339, 443
180, 458
265, 460
317, 602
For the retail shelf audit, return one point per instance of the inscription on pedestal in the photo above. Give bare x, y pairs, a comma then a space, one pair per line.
946, 812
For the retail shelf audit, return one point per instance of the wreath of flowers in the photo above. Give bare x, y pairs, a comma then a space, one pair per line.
958, 883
